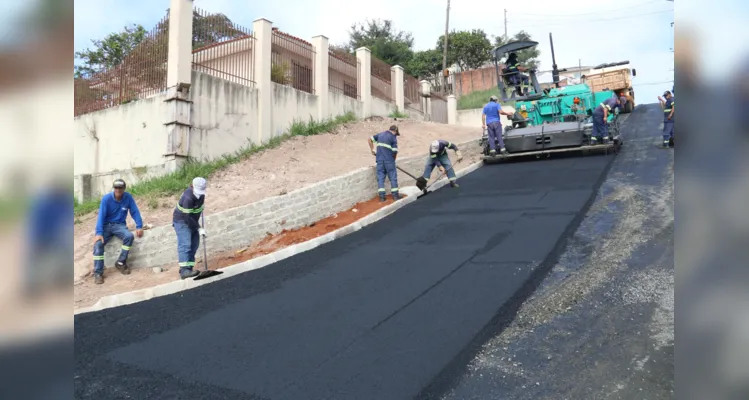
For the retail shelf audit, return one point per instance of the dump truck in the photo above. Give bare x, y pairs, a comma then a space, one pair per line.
616, 77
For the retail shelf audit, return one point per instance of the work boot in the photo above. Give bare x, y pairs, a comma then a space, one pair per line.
98, 279
382, 198
454, 184
503, 151
492, 152
665, 143
605, 139
122, 267
396, 196
185, 273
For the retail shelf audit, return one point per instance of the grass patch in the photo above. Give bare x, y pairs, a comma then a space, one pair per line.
397, 114
479, 98
174, 183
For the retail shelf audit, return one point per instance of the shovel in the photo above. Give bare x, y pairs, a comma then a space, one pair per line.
420, 181
206, 273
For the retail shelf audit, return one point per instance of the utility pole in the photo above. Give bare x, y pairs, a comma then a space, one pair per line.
444, 51
505, 24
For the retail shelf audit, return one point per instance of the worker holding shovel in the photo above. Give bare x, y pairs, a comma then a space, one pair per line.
386, 153
185, 222
438, 158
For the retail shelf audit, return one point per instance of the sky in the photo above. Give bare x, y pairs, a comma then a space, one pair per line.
593, 32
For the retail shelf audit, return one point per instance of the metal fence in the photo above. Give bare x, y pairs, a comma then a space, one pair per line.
381, 80
439, 108
343, 73
292, 62
142, 73
222, 48
412, 93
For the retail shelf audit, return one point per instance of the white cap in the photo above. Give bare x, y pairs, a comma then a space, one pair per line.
435, 146
198, 186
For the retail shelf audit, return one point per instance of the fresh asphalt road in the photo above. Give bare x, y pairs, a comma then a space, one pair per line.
394, 311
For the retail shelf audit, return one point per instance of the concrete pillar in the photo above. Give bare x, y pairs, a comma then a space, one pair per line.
452, 110
321, 73
178, 78
263, 31
364, 56
398, 86
179, 66
426, 100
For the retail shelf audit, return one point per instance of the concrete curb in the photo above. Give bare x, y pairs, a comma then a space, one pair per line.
177, 286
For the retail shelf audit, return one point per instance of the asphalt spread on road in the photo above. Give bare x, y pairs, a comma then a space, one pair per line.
393, 311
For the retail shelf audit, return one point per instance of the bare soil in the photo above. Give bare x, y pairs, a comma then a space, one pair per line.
88, 293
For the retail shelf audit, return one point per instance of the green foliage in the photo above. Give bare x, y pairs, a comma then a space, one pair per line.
279, 73
176, 182
383, 40
396, 113
425, 64
478, 99
110, 51
468, 49
527, 57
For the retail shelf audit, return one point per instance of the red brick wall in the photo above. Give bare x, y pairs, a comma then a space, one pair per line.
477, 79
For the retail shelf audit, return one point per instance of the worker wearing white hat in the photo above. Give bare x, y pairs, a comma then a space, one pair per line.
185, 222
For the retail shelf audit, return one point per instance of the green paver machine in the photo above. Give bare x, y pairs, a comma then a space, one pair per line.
552, 120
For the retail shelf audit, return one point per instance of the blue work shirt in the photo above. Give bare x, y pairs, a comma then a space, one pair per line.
667, 110
113, 211
491, 110
611, 103
387, 145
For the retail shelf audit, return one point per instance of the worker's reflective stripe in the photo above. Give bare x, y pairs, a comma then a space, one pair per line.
387, 146
125, 247
381, 190
187, 264
372, 139
434, 156
394, 189
453, 179
96, 258
190, 210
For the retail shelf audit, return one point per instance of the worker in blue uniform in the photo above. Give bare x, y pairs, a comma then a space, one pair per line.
111, 221
438, 158
667, 104
185, 222
386, 154
513, 68
600, 119
492, 124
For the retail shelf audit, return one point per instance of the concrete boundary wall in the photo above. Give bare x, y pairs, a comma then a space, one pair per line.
263, 261
241, 226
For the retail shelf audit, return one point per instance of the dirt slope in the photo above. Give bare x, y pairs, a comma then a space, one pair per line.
298, 162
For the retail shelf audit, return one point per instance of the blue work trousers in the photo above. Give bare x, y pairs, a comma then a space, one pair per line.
188, 241
445, 161
494, 130
600, 127
387, 168
110, 230
668, 130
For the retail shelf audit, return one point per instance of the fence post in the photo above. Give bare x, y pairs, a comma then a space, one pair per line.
398, 87
426, 99
178, 80
452, 110
364, 57
262, 29
321, 72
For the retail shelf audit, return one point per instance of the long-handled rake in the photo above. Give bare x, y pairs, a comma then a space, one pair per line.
206, 273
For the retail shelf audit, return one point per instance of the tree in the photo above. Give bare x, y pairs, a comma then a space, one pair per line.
527, 57
387, 44
468, 49
425, 64
110, 51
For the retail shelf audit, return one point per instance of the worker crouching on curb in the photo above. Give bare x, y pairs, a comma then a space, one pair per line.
112, 222
438, 158
386, 153
185, 222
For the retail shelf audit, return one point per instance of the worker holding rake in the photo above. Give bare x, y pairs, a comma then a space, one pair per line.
438, 158
185, 222
386, 153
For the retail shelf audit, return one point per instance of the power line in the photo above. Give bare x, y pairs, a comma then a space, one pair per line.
591, 13
577, 22
651, 83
